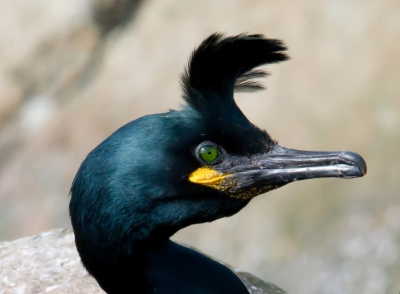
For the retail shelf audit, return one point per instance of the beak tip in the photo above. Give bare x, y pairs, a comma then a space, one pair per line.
356, 160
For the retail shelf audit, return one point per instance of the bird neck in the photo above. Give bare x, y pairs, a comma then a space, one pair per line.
166, 267
144, 260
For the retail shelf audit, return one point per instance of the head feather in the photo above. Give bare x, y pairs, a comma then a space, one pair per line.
222, 65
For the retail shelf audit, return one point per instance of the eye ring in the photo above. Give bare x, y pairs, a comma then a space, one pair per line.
208, 153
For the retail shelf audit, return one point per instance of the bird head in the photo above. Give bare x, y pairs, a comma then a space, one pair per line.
162, 172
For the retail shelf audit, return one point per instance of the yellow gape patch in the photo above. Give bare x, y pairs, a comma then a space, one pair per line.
223, 182
208, 177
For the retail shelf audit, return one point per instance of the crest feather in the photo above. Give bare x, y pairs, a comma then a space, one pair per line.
220, 65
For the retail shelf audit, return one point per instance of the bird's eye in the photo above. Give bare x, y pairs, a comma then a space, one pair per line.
208, 152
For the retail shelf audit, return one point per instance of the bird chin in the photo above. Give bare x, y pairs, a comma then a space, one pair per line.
251, 192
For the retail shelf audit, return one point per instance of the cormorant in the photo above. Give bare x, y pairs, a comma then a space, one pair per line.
163, 172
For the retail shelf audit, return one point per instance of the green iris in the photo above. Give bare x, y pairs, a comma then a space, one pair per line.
208, 153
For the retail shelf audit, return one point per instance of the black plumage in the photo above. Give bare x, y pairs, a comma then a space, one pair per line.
163, 172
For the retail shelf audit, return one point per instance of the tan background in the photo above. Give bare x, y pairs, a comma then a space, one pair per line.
68, 78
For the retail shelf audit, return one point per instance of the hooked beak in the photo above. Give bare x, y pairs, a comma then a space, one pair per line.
279, 166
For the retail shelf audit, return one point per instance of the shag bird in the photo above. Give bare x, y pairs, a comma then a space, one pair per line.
163, 172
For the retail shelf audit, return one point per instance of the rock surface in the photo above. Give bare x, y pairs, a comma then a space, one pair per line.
49, 263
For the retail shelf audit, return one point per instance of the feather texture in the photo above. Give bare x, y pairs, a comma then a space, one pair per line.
220, 66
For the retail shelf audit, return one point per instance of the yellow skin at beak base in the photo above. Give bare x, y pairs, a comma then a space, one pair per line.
216, 180
208, 177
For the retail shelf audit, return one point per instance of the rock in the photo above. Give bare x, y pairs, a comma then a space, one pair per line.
49, 263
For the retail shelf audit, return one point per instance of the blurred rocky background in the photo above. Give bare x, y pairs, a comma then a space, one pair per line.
71, 72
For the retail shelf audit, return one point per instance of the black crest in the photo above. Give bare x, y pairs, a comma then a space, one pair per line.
221, 66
